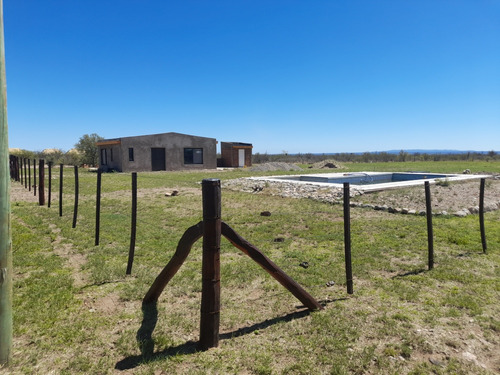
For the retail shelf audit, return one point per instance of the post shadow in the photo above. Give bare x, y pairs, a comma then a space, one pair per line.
150, 318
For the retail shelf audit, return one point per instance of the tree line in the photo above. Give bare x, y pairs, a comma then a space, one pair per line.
373, 157
84, 153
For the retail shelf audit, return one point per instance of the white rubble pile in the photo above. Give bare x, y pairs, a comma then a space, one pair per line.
275, 166
288, 189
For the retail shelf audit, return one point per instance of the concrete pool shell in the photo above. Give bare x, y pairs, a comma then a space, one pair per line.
370, 181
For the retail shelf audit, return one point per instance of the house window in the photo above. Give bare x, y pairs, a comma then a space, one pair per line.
193, 156
131, 154
104, 159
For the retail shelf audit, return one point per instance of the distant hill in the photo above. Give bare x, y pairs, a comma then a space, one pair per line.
419, 151
411, 152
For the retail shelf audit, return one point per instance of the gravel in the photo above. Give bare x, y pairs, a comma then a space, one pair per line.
459, 199
275, 166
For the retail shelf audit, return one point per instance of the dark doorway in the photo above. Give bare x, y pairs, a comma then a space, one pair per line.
158, 159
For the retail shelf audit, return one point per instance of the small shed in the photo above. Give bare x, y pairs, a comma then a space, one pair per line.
236, 154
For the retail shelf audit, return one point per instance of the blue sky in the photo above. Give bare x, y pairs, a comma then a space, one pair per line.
295, 76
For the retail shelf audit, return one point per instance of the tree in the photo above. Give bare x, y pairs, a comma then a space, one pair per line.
402, 155
73, 157
52, 155
87, 146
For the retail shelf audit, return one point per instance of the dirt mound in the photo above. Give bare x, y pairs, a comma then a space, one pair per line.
275, 166
326, 164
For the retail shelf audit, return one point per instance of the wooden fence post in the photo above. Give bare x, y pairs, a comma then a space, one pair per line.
347, 237
5, 221
34, 177
75, 209
50, 184
430, 236
29, 174
133, 225
41, 182
481, 215
210, 295
98, 207
25, 175
16, 167
61, 189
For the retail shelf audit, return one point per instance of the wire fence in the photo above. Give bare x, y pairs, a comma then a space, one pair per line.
211, 228
136, 213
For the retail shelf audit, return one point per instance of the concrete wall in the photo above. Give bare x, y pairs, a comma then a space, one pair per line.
112, 156
174, 145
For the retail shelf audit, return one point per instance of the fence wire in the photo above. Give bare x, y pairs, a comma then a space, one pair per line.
281, 240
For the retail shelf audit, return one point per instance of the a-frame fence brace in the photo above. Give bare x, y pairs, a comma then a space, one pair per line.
211, 229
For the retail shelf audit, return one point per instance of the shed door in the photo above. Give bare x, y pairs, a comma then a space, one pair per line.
158, 159
241, 157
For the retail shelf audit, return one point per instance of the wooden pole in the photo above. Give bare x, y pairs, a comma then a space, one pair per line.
210, 271
481, 215
50, 184
133, 225
75, 209
29, 174
98, 207
34, 177
5, 229
41, 182
61, 189
268, 265
25, 175
16, 164
347, 237
430, 236
190, 236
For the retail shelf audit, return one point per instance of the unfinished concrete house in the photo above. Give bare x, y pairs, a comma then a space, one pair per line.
157, 152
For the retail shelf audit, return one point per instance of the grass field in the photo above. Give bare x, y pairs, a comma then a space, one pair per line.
76, 312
